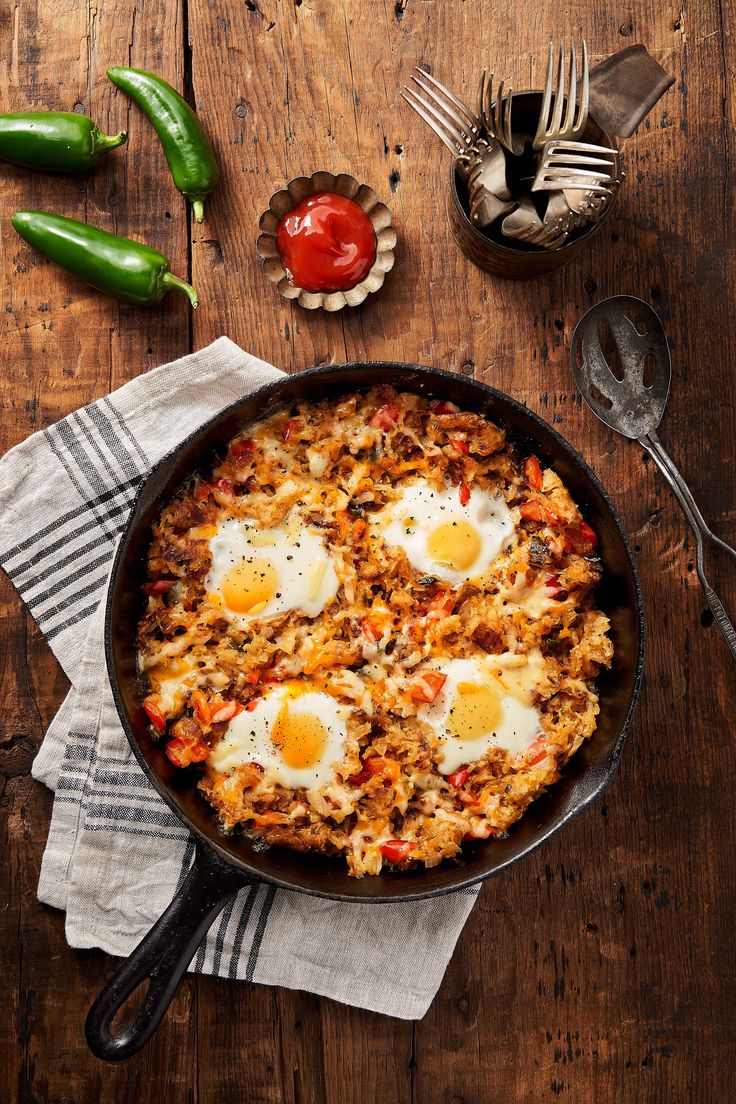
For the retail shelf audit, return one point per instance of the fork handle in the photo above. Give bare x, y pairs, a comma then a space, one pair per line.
677, 484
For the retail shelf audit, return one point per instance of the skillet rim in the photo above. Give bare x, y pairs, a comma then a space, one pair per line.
491, 394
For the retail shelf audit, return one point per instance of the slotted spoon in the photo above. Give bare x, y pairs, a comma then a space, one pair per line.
635, 409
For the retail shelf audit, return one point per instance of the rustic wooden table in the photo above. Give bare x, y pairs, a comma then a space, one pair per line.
602, 968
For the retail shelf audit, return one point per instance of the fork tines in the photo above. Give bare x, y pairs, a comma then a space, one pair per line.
433, 88
496, 115
551, 124
575, 166
452, 137
451, 120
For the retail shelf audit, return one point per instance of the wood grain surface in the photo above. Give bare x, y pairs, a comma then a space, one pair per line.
602, 968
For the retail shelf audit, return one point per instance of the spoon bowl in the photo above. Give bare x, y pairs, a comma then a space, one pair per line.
631, 402
621, 363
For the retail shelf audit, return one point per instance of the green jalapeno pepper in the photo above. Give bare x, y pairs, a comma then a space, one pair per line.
56, 141
126, 269
188, 150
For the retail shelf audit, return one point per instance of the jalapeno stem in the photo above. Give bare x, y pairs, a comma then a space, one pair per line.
104, 142
169, 280
188, 150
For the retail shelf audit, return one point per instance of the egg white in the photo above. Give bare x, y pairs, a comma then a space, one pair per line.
305, 576
410, 521
516, 729
249, 738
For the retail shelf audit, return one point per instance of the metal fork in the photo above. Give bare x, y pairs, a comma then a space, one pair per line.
454, 123
497, 116
577, 166
488, 193
570, 211
551, 124
586, 207
524, 224
481, 162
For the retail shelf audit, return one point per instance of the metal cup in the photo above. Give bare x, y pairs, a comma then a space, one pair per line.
506, 257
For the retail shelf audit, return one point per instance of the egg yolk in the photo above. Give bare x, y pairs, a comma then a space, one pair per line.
299, 738
249, 585
475, 712
455, 543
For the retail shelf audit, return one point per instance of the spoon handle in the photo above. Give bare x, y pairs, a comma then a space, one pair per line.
698, 524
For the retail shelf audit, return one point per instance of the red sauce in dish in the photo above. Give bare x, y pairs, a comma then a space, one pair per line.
327, 243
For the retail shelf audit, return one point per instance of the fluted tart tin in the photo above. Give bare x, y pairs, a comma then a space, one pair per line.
283, 203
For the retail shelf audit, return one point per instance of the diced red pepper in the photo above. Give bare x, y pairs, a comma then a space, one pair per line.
459, 777
202, 491
536, 753
533, 472
444, 408
464, 493
183, 754
389, 768
371, 631
275, 674
253, 703
459, 445
292, 426
254, 676
377, 764
177, 751
244, 447
199, 752
227, 711
395, 851
385, 417
552, 583
202, 706
469, 800
155, 714
344, 521
534, 510
224, 493
426, 686
159, 587
360, 778
441, 605
588, 533
581, 538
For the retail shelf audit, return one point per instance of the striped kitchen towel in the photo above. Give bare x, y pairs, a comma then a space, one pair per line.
115, 853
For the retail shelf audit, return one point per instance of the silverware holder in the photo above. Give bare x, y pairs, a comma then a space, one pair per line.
488, 249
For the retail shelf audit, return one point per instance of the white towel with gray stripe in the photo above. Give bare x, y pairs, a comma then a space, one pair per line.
116, 853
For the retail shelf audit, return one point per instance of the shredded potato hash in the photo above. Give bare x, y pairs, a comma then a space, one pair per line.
378, 646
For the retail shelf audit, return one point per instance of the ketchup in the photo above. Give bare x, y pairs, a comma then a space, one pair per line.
327, 243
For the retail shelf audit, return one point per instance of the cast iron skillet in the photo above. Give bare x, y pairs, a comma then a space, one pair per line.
225, 864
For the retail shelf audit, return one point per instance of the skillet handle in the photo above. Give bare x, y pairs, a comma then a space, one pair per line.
161, 958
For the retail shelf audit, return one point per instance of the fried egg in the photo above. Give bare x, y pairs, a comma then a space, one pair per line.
443, 537
475, 711
296, 733
261, 572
